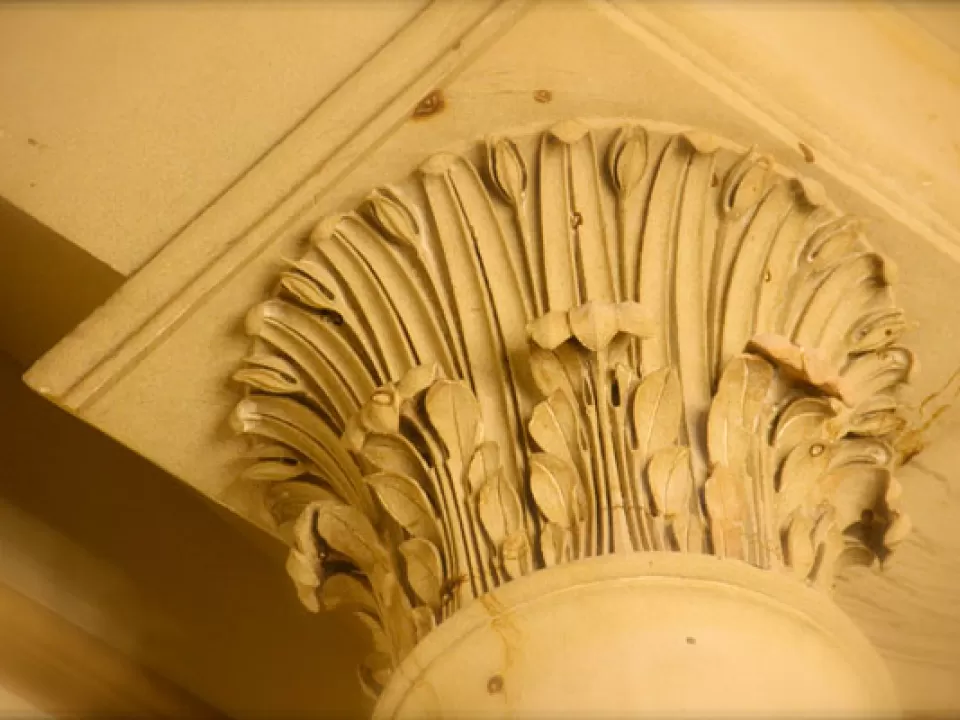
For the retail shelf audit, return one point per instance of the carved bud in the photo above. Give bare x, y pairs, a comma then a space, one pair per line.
507, 169
594, 324
305, 288
381, 413
627, 160
551, 330
392, 217
307, 281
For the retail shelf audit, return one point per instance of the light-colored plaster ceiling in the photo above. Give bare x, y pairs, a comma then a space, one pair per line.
119, 122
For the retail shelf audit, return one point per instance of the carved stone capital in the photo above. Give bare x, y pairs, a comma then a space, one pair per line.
589, 341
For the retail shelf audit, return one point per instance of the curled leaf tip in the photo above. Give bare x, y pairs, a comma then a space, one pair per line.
702, 142
746, 183
325, 229
569, 131
439, 163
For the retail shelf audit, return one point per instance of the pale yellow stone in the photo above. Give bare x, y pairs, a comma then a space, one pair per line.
869, 99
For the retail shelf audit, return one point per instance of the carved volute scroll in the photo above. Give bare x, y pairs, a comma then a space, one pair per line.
591, 340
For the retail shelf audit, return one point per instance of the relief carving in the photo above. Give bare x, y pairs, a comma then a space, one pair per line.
587, 341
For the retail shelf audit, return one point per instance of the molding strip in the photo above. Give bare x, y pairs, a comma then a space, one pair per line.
252, 213
788, 126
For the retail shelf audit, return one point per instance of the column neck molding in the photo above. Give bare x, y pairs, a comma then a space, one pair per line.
596, 339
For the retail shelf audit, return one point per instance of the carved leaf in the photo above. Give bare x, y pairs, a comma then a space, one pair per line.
548, 372
347, 530
345, 591
633, 320
286, 421
801, 551
726, 504
877, 330
407, 503
554, 544
746, 183
878, 416
274, 470
594, 324
499, 508
876, 373
671, 480
553, 425
800, 478
859, 476
455, 414
381, 642
735, 411
304, 564
610, 234
395, 454
551, 483
657, 409
424, 570
516, 554
424, 620
802, 419
485, 464
806, 364
375, 672
688, 531
418, 379
285, 500
270, 373
303, 569
551, 330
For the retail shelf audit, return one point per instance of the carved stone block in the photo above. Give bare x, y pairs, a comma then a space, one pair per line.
593, 340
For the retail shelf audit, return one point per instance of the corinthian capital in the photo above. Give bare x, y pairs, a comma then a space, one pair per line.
591, 341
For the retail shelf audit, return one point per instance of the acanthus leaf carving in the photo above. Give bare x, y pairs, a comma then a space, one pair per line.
587, 341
